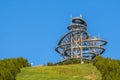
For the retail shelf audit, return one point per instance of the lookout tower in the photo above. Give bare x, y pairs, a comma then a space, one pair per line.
77, 43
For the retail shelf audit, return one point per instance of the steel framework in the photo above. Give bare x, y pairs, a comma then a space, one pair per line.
77, 43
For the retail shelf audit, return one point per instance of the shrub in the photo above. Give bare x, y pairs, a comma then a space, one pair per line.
10, 67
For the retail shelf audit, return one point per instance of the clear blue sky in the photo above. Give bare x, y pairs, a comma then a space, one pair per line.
32, 28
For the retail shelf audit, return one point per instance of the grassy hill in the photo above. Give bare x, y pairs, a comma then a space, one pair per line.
64, 72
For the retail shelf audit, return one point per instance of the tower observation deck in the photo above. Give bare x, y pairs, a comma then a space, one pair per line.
77, 43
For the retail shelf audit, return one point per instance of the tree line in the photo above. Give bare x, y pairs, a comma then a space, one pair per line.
9, 68
68, 61
109, 68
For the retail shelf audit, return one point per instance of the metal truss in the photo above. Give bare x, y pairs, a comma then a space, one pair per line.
77, 43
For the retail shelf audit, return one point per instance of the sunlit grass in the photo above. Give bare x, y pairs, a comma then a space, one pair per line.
65, 72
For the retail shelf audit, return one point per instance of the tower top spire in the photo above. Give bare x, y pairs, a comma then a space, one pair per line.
77, 23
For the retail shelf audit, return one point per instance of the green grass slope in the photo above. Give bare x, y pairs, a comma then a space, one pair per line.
64, 72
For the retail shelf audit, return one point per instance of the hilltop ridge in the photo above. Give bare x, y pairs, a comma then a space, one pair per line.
63, 72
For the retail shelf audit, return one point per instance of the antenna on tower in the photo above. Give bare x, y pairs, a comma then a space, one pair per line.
98, 35
71, 19
81, 16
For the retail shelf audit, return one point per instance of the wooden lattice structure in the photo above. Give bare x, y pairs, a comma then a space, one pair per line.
77, 43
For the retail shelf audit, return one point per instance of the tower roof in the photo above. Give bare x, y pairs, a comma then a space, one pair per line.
79, 20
